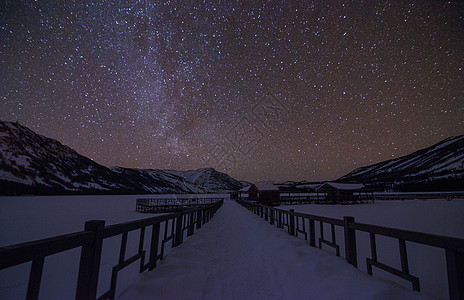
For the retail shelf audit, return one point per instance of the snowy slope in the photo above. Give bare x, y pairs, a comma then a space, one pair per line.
442, 161
34, 164
31, 162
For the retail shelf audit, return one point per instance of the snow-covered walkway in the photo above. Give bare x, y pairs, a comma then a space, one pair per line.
239, 256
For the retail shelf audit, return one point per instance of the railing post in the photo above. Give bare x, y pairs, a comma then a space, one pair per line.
266, 214
350, 242
191, 227
203, 216
455, 269
178, 236
35, 277
312, 233
291, 226
271, 216
199, 218
154, 246
89, 267
208, 214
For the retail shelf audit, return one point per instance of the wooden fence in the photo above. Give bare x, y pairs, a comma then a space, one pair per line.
361, 197
91, 241
305, 224
421, 196
162, 205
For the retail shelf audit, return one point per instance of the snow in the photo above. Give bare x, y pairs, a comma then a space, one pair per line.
236, 255
245, 189
342, 186
439, 217
239, 256
430, 160
265, 186
25, 219
5, 175
29, 218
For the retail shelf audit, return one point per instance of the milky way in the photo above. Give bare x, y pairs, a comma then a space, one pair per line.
279, 90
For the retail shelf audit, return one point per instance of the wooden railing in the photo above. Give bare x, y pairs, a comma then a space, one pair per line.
91, 241
296, 223
361, 197
422, 196
162, 205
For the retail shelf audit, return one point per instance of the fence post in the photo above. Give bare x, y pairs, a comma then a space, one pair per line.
350, 242
191, 227
89, 266
154, 246
291, 226
35, 277
271, 216
178, 236
312, 233
455, 269
266, 213
199, 218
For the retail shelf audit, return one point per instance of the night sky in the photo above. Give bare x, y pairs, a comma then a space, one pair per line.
278, 90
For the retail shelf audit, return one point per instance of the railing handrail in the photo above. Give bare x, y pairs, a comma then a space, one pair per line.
23, 252
120, 228
434, 240
313, 217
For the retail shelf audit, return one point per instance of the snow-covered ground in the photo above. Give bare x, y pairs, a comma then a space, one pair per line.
24, 219
239, 256
236, 255
431, 216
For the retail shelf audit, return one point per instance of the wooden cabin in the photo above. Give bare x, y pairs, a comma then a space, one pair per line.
263, 192
344, 192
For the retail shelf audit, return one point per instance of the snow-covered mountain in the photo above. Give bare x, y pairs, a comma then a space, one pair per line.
442, 164
158, 181
34, 164
209, 178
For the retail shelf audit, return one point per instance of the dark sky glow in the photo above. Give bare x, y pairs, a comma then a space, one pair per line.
279, 90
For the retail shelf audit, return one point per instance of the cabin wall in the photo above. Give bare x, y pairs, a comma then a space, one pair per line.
269, 196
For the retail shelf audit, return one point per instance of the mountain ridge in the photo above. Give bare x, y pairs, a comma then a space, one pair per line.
34, 164
441, 164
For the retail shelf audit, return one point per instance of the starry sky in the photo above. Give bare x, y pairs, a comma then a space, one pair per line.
262, 90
